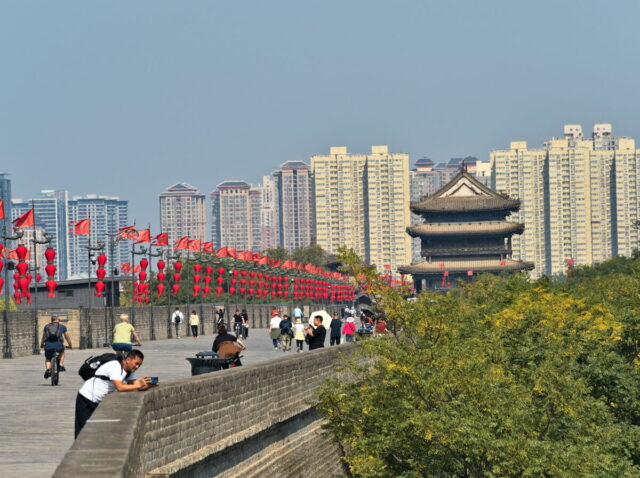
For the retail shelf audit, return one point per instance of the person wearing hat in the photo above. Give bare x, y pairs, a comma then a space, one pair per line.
122, 334
274, 328
349, 329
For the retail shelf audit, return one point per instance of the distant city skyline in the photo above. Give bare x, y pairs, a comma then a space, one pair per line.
212, 91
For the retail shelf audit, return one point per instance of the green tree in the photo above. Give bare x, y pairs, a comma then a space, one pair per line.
500, 377
313, 254
277, 253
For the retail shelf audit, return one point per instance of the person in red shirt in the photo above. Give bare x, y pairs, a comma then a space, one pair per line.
381, 327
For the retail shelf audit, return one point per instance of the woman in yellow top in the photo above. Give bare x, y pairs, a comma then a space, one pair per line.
122, 334
194, 322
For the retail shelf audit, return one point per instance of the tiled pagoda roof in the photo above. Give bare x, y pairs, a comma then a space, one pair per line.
465, 228
476, 265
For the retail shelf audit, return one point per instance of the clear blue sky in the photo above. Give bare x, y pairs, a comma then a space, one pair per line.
128, 97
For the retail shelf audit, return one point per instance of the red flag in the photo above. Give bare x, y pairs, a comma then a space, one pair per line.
144, 235
222, 252
127, 233
161, 239
231, 251
182, 243
194, 245
81, 228
1, 209
26, 220
207, 247
126, 267
263, 261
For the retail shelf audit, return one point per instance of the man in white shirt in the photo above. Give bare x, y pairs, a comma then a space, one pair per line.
109, 377
274, 328
177, 318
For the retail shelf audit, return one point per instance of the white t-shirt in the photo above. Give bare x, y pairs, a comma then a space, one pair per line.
178, 314
275, 322
298, 331
95, 389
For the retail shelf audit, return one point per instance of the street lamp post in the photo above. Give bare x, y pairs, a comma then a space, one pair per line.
90, 254
170, 257
153, 254
7, 336
35, 241
141, 252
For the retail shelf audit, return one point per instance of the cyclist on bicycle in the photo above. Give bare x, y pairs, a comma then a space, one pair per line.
238, 324
122, 334
52, 341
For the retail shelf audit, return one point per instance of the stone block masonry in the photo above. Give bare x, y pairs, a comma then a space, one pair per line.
246, 422
91, 328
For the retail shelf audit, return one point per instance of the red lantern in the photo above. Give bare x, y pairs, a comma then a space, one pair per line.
102, 260
208, 270
1, 283
51, 287
161, 265
196, 278
50, 269
23, 284
220, 271
22, 267
232, 290
160, 289
233, 281
234, 273
243, 273
197, 268
160, 276
38, 277
219, 280
1, 265
144, 263
99, 289
260, 274
142, 275
100, 273
21, 252
252, 274
207, 280
50, 254
205, 290
242, 290
243, 282
176, 277
175, 288
16, 297
177, 266
196, 290
218, 291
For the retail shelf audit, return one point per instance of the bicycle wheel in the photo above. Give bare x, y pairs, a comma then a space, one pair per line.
55, 370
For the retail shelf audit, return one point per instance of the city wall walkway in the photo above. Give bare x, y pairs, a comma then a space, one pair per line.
37, 420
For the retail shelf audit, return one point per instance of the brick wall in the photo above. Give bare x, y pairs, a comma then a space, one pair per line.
250, 421
92, 328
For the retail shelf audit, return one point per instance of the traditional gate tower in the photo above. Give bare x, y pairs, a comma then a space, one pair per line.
465, 232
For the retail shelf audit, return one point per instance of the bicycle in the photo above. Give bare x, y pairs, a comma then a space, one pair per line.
238, 329
55, 368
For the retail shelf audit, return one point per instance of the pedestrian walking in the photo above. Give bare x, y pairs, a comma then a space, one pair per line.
219, 317
194, 322
298, 334
349, 329
274, 328
245, 323
286, 333
177, 318
336, 329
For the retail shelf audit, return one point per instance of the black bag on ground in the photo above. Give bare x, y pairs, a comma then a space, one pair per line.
88, 368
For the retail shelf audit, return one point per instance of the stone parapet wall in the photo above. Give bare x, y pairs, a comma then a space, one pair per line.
249, 421
91, 328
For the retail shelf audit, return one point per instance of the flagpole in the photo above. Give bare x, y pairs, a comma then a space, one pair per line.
7, 337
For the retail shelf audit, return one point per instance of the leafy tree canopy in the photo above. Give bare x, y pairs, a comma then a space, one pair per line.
500, 377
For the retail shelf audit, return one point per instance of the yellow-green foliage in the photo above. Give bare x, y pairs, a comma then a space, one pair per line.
500, 377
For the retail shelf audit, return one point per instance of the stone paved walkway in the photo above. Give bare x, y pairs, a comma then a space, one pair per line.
36, 419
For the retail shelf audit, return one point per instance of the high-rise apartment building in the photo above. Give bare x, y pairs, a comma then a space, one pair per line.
362, 202
269, 231
295, 205
235, 216
579, 197
182, 212
427, 177
51, 212
106, 215
5, 196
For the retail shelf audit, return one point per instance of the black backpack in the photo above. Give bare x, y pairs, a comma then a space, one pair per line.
51, 335
285, 327
88, 368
